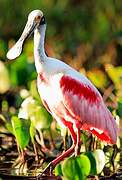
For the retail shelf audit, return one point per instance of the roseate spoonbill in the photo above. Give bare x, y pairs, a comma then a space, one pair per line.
67, 94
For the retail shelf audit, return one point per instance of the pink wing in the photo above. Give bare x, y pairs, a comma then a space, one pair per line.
87, 106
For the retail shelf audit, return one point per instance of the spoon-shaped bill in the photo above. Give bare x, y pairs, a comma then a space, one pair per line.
16, 50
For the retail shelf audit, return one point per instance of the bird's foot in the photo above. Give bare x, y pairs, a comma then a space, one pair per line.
47, 171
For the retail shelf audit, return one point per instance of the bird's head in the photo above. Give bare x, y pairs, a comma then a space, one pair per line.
35, 19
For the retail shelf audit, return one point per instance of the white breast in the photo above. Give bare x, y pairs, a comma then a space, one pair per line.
50, 91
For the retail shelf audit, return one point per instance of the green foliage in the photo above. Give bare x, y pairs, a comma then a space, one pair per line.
21, 131
89, 163
9, 127
34, 92
74, 168
71, 169
84, 164
31, 109
58, 170
32, 132
20, 71
92, 159
115, 73
98, 78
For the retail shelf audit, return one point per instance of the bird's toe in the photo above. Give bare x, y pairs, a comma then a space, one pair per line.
47, 171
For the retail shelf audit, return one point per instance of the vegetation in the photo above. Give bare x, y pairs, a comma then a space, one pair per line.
88, 36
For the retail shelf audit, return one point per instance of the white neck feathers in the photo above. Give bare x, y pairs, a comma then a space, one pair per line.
39, 52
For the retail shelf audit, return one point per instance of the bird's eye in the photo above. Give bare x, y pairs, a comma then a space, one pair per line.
38, 18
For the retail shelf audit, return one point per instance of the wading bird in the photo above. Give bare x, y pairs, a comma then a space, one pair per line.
67, 94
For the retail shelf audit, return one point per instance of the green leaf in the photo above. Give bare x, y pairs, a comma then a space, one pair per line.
70, 169
76, 168
9, 127
32, 132
58, 170
30, 109
115, 73
100, 159
98, 78
92, 159
41, 118
18, 71
21, 131
34, 91
61, 129
84, 164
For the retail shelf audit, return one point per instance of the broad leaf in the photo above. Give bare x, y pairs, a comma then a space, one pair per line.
21, 131
98, 78
58, 170
41, 119
100, 160
92, 159
32, 132
76, 168
9, 127
34, 91
84, 164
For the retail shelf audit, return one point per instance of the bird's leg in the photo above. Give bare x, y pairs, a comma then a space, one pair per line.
48, 170
78, 143
71, 149
51, 165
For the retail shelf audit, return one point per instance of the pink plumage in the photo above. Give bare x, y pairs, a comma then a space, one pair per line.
88, 109
80, 104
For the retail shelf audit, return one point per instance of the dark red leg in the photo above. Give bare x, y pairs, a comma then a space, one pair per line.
78, 144
52, 164
71, 149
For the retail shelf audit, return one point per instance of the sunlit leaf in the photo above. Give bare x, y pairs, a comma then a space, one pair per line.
4, 78
34, 91
31, 109
71, 169
58, 170
115, 73
92, 159
9, 127
62, 129
76, 168
27, 108
21, 131
98, 78
41, 118
84, 164
32, 132
24, 93
100, 160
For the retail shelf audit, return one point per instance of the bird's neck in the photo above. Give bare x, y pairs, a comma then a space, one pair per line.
39, 52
